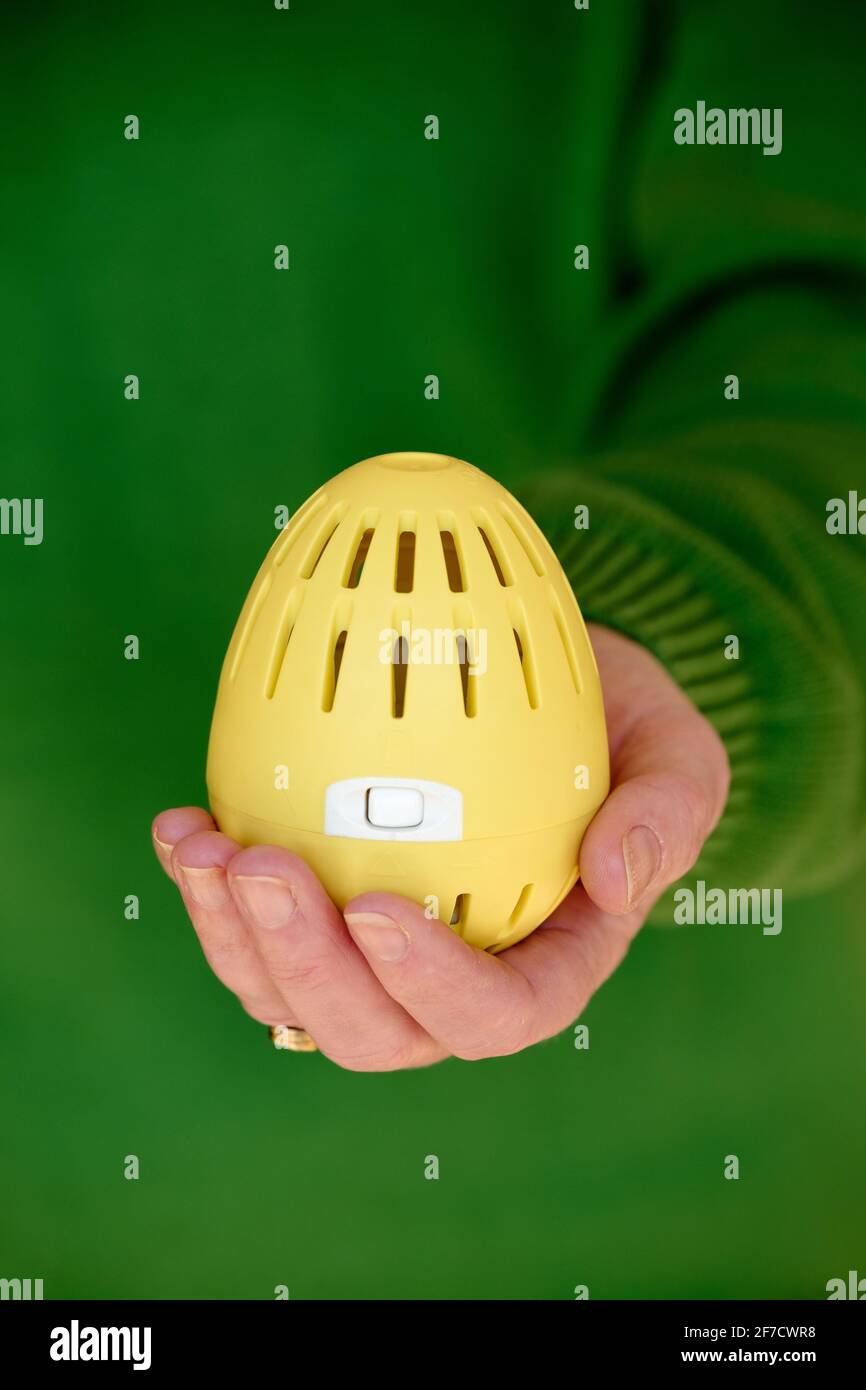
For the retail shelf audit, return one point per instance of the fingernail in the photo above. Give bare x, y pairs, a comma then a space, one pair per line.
378, 934
206, 887
642, 855
270, 901
163, 844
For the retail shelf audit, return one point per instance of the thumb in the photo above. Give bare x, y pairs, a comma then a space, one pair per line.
670, 778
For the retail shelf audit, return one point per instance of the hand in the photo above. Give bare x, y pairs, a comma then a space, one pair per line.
382, 987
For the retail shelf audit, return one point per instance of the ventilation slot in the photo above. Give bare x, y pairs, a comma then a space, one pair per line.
520, 906
527, 665
404, 568
460, 913
493, 546
298, 523
565, 638
467, 680
332, 673
283, 638
399, 666
453, 567
468, 658
335, 652
249, 623
358, 558
320, 544
526, 542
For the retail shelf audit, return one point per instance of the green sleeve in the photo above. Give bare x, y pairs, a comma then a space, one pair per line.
707, 515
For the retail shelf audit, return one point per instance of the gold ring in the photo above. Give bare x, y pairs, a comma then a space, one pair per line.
288, 1039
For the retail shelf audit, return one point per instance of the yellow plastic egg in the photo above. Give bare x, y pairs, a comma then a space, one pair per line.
410, 701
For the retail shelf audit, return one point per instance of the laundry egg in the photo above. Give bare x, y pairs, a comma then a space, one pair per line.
410, 701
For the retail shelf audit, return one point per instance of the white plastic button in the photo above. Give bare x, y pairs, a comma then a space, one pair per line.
395, 808
434, 809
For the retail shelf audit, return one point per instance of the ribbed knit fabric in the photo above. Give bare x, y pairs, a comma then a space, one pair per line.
707, 513
790, 708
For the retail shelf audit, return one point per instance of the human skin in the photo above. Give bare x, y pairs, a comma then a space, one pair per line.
380, 986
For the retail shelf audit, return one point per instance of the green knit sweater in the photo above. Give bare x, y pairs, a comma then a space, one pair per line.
708, 513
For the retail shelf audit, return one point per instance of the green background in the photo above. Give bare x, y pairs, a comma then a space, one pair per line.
558, 1167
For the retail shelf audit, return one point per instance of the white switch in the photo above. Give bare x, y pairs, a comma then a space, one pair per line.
395, 808
373, 807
